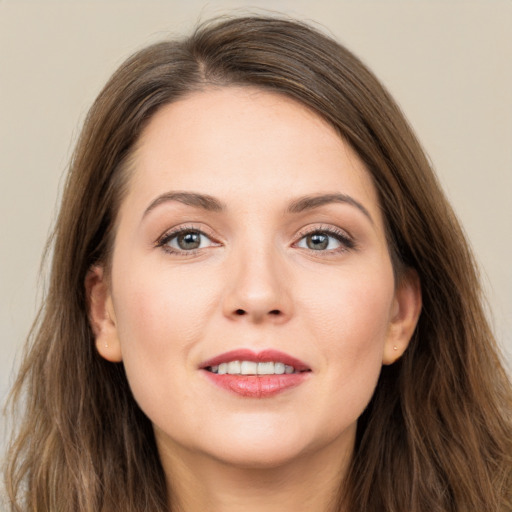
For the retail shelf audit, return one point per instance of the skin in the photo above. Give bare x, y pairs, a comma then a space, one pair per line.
253, 283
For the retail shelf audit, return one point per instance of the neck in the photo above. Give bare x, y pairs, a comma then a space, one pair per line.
311, 482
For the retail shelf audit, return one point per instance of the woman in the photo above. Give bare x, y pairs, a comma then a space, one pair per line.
260, 299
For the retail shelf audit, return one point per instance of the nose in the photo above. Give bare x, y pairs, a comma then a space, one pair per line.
257, 288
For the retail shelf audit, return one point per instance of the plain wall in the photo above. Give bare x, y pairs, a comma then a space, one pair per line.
448, 63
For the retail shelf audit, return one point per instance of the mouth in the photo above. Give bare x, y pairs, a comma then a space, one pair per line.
255, 375
252, 368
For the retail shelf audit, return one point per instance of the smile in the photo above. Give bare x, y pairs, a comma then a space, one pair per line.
255, 375
252, 368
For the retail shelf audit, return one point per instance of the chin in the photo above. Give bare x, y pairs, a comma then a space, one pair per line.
269, 447
272, 456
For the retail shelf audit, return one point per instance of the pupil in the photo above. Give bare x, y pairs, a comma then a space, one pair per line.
189, 240
318, 242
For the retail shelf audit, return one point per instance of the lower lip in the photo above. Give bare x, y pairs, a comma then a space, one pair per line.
253, 386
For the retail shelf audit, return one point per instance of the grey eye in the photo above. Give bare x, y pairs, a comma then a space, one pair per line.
188, 241
319, 241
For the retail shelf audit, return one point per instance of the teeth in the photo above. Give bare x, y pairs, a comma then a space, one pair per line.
266, 368
233, 367
252, 368
248, 368
279, 368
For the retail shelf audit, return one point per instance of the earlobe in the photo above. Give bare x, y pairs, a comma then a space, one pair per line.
101, 314
404, 316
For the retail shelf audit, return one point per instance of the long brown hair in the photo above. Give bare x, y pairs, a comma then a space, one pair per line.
437, 434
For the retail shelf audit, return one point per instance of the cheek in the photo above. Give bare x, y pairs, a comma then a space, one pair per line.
160, 317
351, 321
351, 309
156, 306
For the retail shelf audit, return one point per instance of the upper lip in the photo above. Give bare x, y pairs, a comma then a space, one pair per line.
258, 357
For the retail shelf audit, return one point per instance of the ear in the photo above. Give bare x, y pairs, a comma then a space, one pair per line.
404, 316
101, 314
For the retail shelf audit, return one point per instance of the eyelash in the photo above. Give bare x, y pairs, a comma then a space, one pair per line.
170, 235
346, 241
342, 237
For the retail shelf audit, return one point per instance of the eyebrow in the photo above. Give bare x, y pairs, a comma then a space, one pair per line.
202, 201
210, 203
310, 202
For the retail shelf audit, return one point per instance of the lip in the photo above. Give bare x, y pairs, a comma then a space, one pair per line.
257, 357
252, 386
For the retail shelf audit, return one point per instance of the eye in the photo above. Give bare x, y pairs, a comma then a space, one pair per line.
185, 240
326, 240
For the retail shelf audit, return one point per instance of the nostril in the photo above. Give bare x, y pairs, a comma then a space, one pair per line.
242, 312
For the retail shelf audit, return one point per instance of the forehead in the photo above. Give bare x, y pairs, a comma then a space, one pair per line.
243, 144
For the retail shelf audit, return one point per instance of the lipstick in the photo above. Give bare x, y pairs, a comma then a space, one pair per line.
255, 375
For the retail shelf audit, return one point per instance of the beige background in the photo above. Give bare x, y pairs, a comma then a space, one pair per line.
448, 63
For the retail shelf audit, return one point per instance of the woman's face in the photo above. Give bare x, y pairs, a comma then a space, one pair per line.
250, 232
